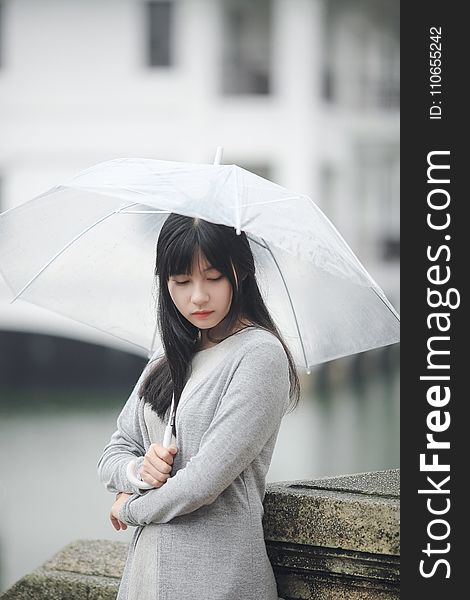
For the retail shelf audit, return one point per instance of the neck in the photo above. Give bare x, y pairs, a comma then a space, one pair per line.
218, 335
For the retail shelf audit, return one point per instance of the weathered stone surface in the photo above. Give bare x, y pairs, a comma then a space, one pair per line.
90, 557
61, 585
313, 560
377, 483
335, 538
358, 512
83, 570
296, 587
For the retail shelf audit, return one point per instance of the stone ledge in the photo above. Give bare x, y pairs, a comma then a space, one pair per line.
335, 538
60, 585
355, 512
296, 586
313, 560
90, 557
83, 570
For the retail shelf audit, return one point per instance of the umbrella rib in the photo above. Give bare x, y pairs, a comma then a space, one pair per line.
255, 241
57, 254
297, 197
394, 312
145, 212
291, 304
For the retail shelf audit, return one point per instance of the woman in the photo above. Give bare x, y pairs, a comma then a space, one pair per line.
199, 531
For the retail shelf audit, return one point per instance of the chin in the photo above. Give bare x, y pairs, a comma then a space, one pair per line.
205, 323
208, 325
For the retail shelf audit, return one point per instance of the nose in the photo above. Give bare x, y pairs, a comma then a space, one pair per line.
199, 296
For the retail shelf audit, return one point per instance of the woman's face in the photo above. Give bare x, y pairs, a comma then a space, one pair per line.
203, 297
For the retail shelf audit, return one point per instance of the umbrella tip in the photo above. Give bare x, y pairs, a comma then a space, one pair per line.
218, 155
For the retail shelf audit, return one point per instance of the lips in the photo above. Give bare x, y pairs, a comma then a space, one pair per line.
202, 313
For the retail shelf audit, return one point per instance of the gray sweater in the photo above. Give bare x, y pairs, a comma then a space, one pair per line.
200, 536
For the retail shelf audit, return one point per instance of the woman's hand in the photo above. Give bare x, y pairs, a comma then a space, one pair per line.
155, 470
114, 514
157, 464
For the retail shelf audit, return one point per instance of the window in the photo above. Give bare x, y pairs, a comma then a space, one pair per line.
246, 46
159, 25
362, 57
378, 188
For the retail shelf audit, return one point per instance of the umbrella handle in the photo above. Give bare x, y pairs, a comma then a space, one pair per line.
130, 469
130, 474
167, 436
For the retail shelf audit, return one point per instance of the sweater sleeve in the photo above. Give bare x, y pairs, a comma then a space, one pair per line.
126, 444
248, 414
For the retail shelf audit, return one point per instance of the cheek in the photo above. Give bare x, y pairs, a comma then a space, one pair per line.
226, 294
175, 295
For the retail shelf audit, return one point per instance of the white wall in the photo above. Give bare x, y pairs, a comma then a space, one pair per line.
75, 90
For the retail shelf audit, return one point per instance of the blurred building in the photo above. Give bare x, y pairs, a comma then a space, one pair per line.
305, 92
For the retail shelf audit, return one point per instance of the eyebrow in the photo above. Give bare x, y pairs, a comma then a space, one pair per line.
204, 271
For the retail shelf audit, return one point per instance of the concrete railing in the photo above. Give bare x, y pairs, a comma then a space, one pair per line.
335, 538
327, 539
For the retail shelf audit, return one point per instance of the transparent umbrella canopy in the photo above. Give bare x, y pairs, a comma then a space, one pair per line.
86, 249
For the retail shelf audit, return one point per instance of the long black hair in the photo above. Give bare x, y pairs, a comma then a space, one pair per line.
182, 239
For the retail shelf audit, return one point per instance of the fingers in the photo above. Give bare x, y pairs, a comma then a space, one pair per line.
153, 482
153, 476
157, 464
117, 524
160, 452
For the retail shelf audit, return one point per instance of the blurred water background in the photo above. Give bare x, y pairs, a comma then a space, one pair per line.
59, 408
305, 92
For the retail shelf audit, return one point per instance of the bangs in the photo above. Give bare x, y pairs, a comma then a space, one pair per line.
201, 239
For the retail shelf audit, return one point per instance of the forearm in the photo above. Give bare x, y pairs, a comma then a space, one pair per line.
179, 495
243, 424
200, 483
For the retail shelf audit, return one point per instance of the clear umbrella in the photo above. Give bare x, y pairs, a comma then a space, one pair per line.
86, 249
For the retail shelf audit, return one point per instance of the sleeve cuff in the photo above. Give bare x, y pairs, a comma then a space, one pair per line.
124, 513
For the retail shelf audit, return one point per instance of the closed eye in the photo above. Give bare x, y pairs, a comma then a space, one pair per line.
208, 279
